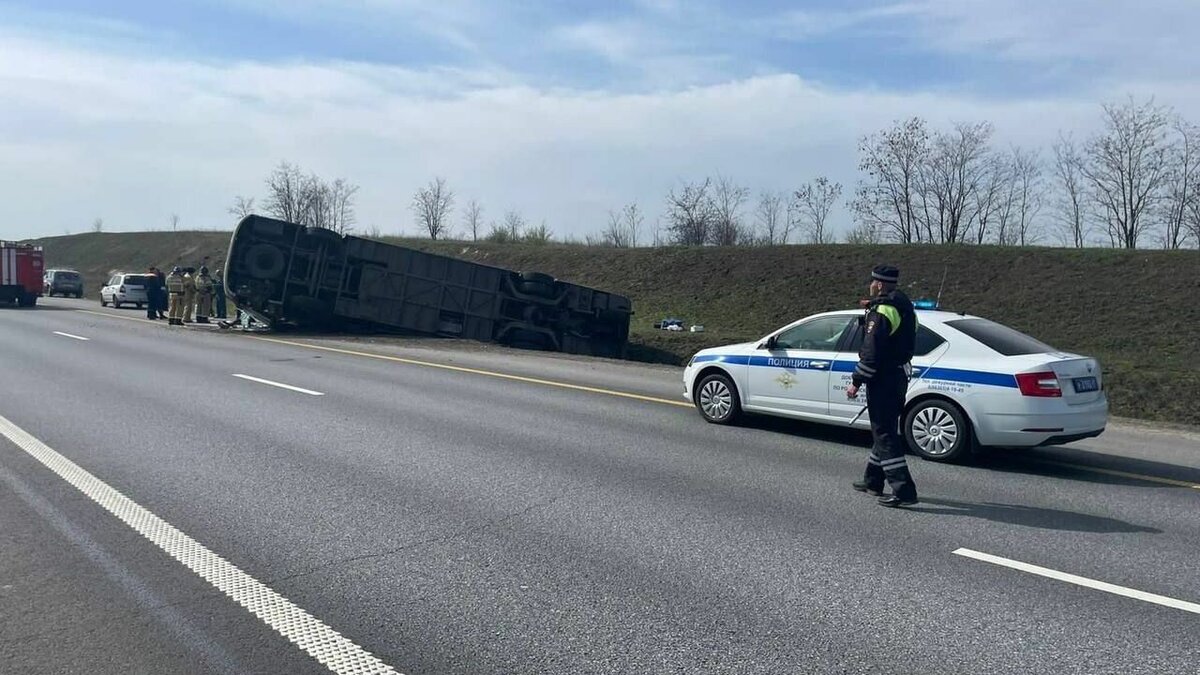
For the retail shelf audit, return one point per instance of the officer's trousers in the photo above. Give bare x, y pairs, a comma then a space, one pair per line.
203, 307
175, 307
189, 305
885, 403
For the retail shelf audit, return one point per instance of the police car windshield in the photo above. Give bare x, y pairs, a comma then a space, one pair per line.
1000, 338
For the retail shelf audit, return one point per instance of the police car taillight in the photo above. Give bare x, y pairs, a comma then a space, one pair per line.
1043, 384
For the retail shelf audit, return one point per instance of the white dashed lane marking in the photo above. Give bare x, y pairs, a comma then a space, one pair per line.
73, 337
1081, 581
281, 385
302, 629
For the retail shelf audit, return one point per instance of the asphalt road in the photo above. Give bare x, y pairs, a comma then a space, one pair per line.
526, 513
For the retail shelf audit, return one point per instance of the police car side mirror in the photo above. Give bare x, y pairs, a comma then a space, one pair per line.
861, 320
769, 343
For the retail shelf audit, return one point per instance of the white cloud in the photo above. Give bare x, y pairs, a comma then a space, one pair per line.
134, 140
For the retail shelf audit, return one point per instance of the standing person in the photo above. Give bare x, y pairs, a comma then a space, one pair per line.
163, 296
189, 294
153, 294
175, 294
219, 294
883, 365
204, 290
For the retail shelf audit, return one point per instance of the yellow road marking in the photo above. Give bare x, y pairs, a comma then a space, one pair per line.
118, 316
606, 392
476, 371
1122, 474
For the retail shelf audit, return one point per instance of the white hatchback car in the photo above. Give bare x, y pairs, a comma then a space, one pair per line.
124, 289
974, 382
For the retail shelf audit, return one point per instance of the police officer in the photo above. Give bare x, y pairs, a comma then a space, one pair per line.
219, 294
189, 294
883, 365
153, 294
204, 290
175, 297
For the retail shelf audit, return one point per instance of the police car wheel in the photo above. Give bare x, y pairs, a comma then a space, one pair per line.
717, 399
938, 430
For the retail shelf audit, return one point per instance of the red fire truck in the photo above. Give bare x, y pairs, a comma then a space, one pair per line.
21, 268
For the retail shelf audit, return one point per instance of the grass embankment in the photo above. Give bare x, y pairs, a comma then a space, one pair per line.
1137, 311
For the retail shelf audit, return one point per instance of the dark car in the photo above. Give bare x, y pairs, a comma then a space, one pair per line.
67, 283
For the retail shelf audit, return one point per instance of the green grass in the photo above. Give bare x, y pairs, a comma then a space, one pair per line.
1136, 311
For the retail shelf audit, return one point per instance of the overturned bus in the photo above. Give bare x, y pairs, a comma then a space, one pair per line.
282, 273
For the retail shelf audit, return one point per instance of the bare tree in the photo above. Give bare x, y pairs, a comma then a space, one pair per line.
990, 198
242, 207
473, 219
955, 169
1070, 206
1126, 167
727, 200
689, 214
770, 215
814, 201
432, 205
1193, 217
341, 217
631, 216
514, 225
98, 225
888, 199
1182, 182
287, 193
1028, 193
615, 234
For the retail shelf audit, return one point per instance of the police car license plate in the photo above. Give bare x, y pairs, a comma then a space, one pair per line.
1085, 384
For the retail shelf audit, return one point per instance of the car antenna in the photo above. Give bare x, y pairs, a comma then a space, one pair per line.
938, 301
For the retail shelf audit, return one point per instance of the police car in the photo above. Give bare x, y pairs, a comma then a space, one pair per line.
974, 383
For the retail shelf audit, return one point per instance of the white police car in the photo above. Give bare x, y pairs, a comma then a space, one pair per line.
974, 382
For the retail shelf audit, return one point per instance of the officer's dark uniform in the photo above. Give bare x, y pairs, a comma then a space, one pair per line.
891, 333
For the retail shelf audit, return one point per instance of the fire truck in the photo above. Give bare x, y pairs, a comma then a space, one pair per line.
21, 267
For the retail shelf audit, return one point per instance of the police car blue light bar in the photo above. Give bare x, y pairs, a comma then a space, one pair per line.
925, 303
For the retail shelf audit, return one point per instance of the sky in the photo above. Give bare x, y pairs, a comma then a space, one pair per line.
561, 111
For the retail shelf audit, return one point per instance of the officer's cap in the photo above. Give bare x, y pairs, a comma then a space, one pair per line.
203, 269
885, 273
176, 270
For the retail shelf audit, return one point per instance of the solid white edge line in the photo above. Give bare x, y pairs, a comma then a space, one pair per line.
302, 629
281, 385
1081, 581
73, 337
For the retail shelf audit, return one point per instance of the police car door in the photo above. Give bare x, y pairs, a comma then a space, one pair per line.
790, 373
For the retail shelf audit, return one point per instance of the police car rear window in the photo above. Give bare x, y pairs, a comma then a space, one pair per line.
135, 281
66, 276
1000, 338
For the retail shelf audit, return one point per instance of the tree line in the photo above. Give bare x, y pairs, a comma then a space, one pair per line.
1135, 182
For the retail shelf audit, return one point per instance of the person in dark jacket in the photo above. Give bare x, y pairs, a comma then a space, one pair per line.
219, 294
164, 296
884, 367
153, 293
